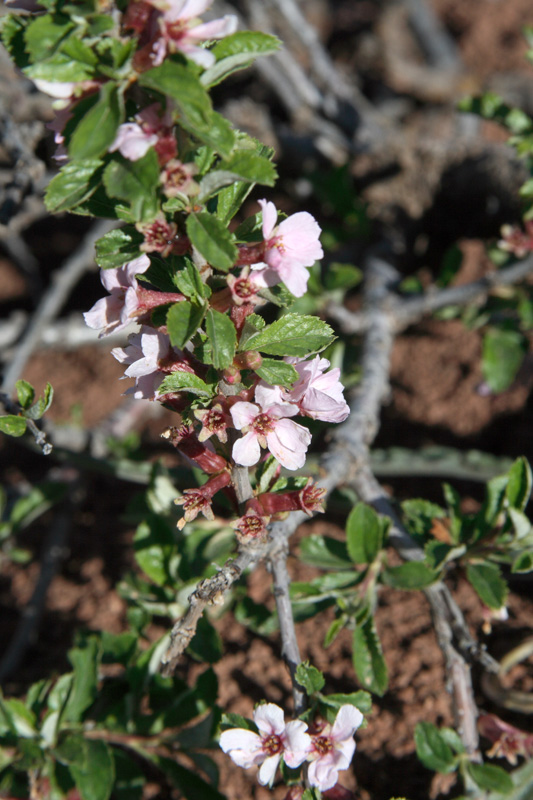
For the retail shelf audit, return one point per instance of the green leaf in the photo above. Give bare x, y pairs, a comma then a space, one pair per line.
206, 644
183, 320
178, 82
44, 34
519, 484
230, 200
222, 337
212, 239
25, 393
136, 182
237, 53
74, 184
94, 772
361, 700
154, 545
60, 68
364, 534
367, 657
190, 283
310, 678
324, 552
488, 583
503, 353
98, 128
186, 382
85, 662
189, 784
413, 575
277, 373
42, 405
523, 563
292, 335
118, 247
432, 748
13, 425
245, 165
490, 777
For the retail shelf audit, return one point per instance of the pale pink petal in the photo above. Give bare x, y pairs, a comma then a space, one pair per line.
216, 29
199, 55
146, 386
192, 8
294, 276
270, 217
323, 774
301, 238
346, 723
269, 719
244, 747
112, 278
246, 451
298, 744
268, 769
344, 752
267, 395
319, 405
288, 443
105, 314
244, 414
137, 266
132, 142
58, 89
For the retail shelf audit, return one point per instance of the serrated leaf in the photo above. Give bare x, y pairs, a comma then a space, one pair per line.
432, 748
238, 53
292, 335
212, 239
25, 393
231, 199
364, 534
59, 68
118, 247
185, 382
75, 183
519, 484
98, 128
490, 777
223, 338
488, 583
44, 34
178, 82
277, 373
310, 678
412, 575
13, 425
183, 320
136, 182
367, 657
190, 283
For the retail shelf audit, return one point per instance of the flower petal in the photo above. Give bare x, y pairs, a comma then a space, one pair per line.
346, 723
243, 414
270, 217
246, 451
268, 769
269, 719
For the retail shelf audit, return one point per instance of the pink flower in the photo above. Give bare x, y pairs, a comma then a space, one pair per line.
517, 241
290, 247
318, 394
265, 425
244, 288
274, 740
146, 354
182, 30
333, 747
113, 313
134, 139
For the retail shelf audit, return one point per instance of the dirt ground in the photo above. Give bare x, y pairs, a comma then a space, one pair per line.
435, 399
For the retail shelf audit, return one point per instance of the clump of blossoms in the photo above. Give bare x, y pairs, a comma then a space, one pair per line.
327, 748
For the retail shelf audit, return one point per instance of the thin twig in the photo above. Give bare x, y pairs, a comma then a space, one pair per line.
63, 282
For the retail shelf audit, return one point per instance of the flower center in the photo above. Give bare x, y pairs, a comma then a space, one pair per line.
244, 288
272, 744
177, 29
322, 745
263, 424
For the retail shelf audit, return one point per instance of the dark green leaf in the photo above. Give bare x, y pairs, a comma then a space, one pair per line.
44, 34
519, 484
136, 182
503, 352
74, 184
13, 425
190, 283
185, 382
488, 583
292, 335
98, 128
324, 552
183, 320
178, 82
25, 393
206, 644
367, 657
42, 405
59, 68
523, 563
413, 575
277, 373
230, 200
364, 534
238, 53
245, 165
223, 338
212, 239
85, 661
154, 546
310, 678
191, 786
118, 247
361, 700
432, 748
95, 772
236, 721
334, 629
490, 777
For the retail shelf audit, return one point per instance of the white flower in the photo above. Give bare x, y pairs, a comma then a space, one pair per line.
333, 748
274, 740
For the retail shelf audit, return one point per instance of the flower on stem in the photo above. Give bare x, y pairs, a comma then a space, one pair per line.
159, 235
310, 500
185, 440
252, 525
215, 420
266, 748
317, 393
178, 178
182, 31
143, 355
266, 425
244, 288
290, 247
507, 741
517, 241
113, 313
196, 501
332, 748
